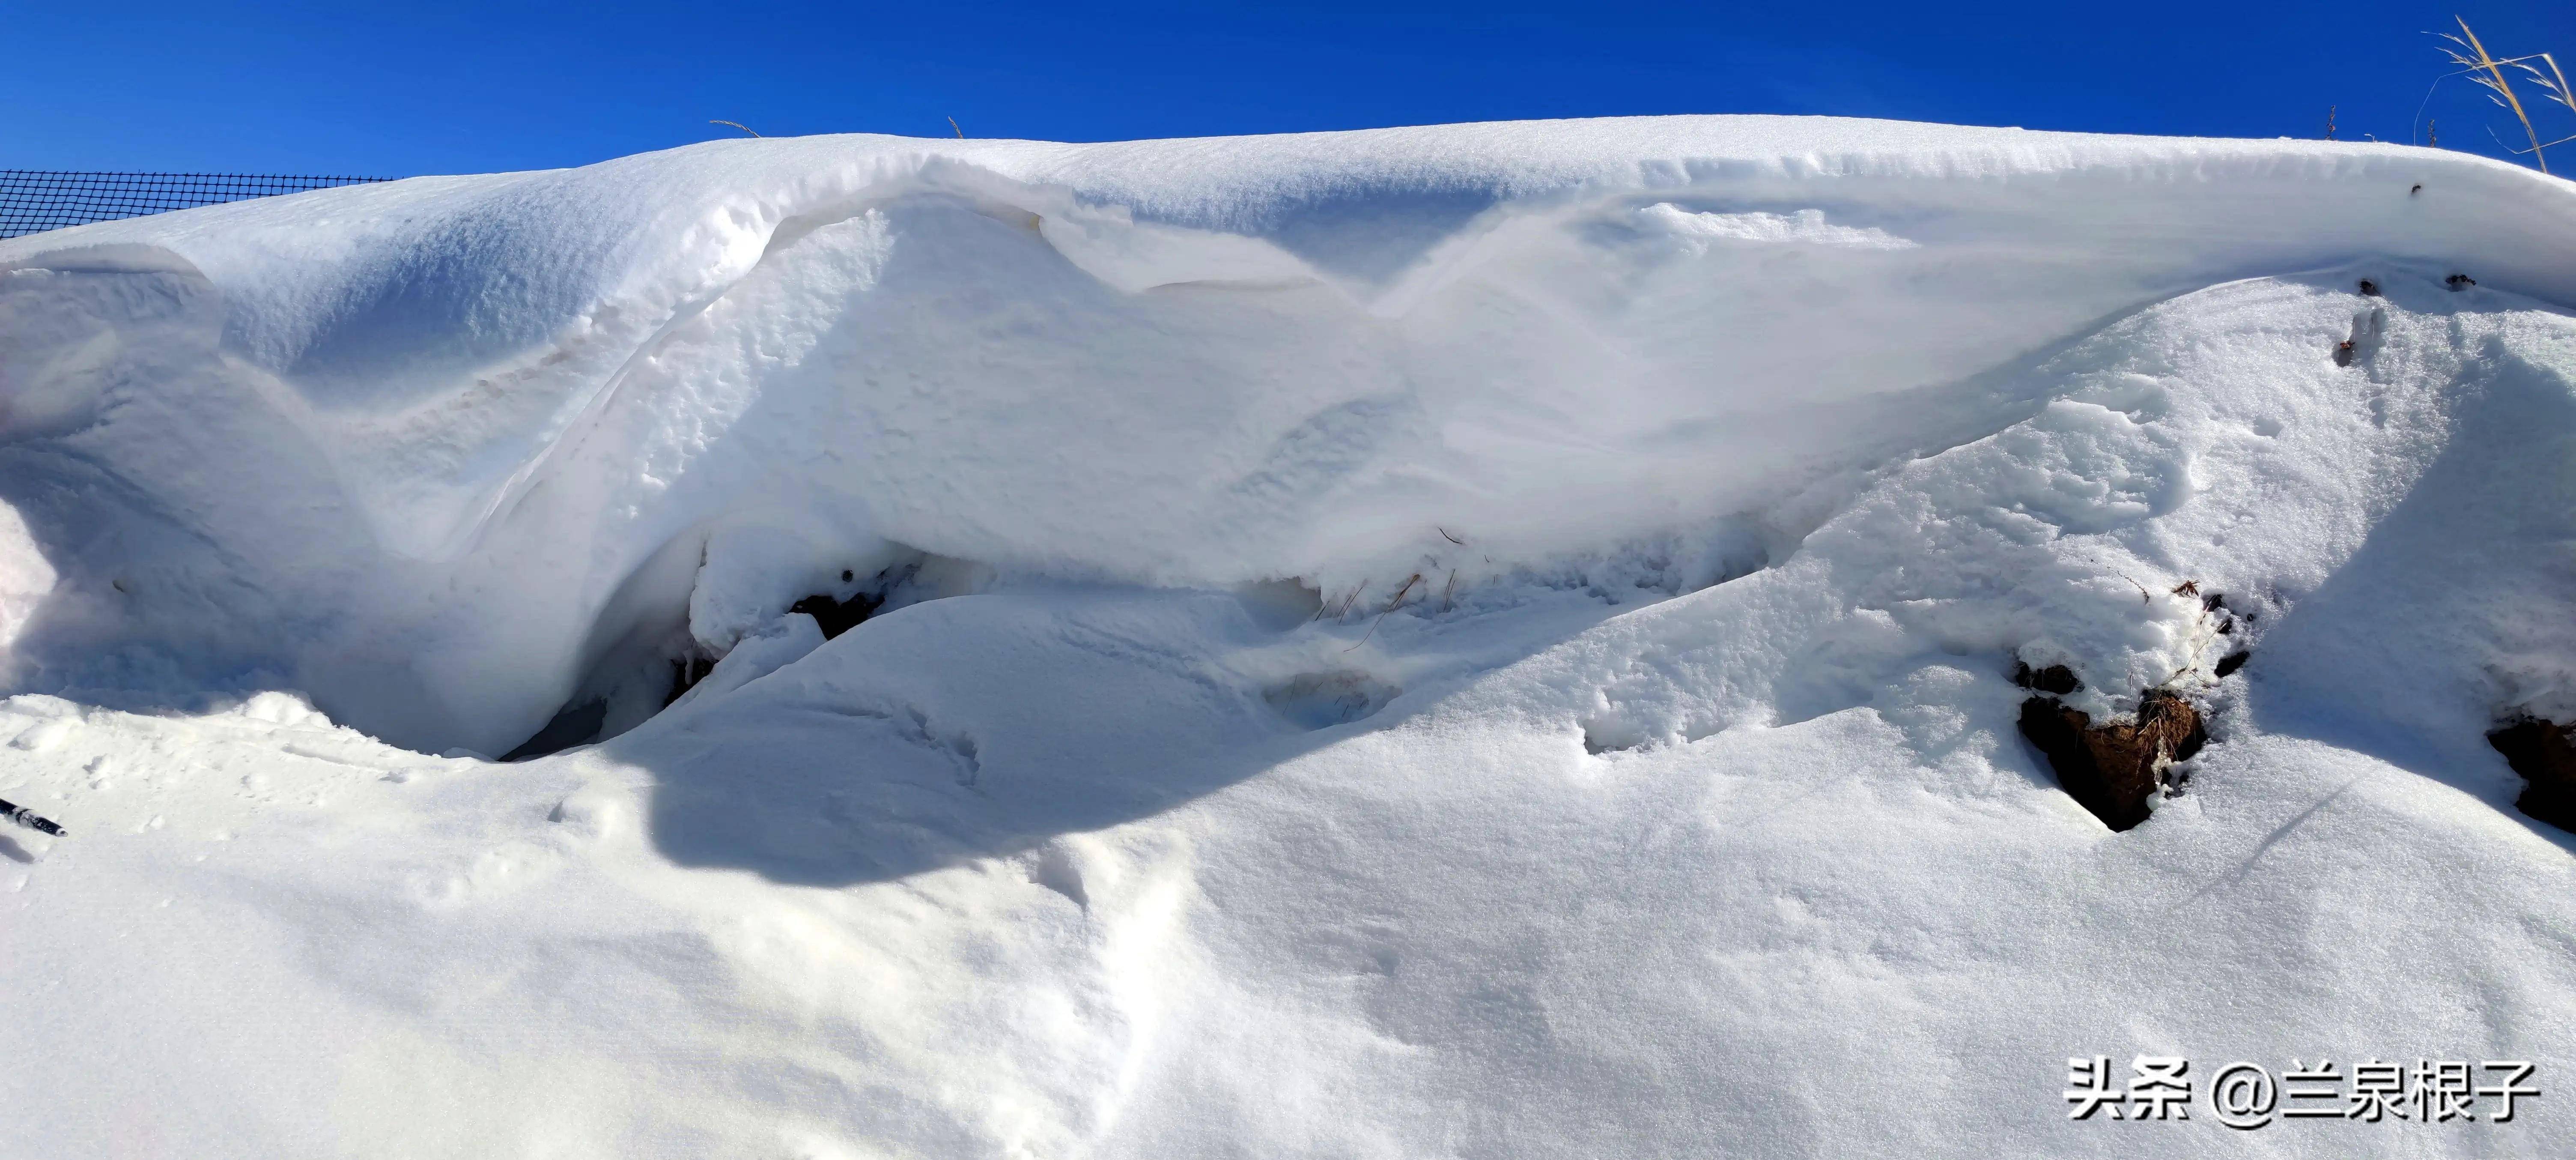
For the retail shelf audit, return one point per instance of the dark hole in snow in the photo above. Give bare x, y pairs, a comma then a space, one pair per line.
2545, 756
2056, 679
2369, 288
2459, 282
576, 725
686, 672
835, 615
2112, 769
2217, 604
651, 670
1323, 700
2227, 665
1600, 738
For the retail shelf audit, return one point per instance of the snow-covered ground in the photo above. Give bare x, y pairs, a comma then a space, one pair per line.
1463, 641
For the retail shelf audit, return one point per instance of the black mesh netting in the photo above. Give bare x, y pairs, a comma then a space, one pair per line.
35, 200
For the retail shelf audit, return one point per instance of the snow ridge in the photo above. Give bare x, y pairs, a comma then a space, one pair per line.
1460, 640
471, 413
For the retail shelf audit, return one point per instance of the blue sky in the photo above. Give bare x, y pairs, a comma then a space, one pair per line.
397, 90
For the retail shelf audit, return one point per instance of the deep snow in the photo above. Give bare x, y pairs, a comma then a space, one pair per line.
1656, 793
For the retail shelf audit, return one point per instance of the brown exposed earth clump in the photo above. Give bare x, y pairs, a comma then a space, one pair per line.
2112, 769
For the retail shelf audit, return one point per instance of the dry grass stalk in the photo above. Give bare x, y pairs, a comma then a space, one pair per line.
1416, 578
2488, 72
1344, 608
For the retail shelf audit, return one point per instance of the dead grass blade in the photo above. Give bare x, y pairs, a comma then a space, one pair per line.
1390, 609
2488, 71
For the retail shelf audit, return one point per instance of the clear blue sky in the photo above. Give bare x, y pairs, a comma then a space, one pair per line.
408, 88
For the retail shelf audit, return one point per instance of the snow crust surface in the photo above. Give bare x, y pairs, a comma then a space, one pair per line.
1473, 640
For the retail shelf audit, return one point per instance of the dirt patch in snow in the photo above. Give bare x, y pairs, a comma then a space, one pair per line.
2113, 768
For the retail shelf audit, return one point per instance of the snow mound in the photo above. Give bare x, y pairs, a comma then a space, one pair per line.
444, 451
1479, 640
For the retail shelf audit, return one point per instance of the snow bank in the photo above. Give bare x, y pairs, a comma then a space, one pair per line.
1486, 640
444, 451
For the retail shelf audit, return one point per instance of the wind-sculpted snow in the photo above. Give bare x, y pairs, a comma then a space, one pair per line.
414, 446
1481, 640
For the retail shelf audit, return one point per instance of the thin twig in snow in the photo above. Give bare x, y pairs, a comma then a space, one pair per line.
1390, 609
1348, 601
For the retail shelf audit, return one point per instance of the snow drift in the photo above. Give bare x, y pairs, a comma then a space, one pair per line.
437, 450
1463, 640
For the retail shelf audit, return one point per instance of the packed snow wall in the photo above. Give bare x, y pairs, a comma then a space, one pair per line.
444, 453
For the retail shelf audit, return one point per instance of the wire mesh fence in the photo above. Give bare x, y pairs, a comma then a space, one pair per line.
36, 200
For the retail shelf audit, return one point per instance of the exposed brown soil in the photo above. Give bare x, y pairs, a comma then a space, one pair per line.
2545, 756
2112, 769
